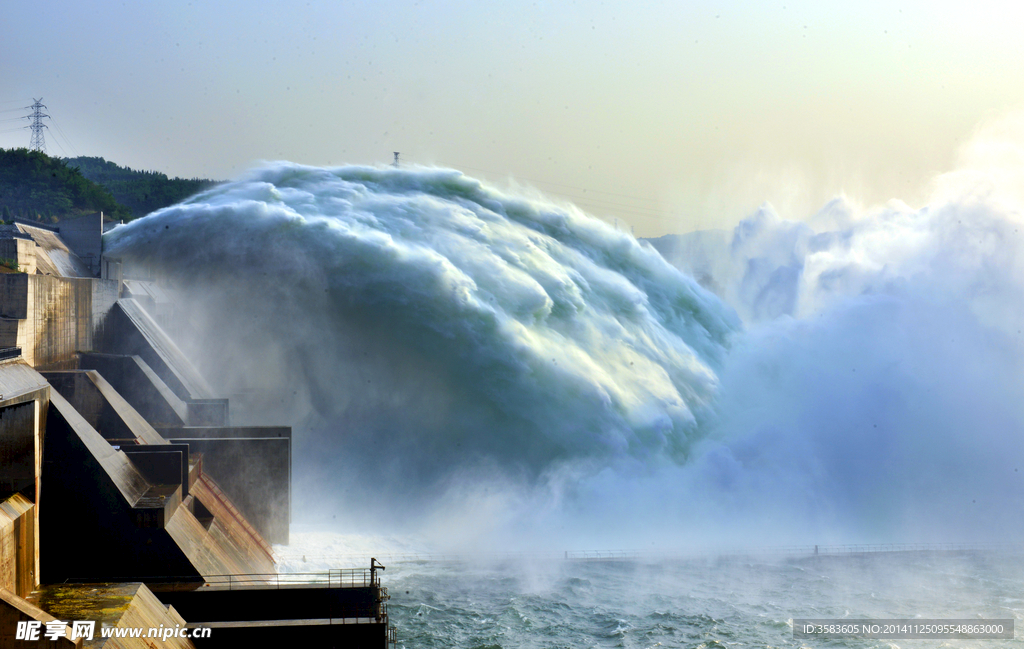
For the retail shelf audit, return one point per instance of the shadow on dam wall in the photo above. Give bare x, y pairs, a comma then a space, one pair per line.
255, 465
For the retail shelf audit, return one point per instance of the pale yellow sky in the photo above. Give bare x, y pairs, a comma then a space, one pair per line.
667, 116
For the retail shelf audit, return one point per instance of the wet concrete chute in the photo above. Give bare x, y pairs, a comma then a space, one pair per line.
129, 497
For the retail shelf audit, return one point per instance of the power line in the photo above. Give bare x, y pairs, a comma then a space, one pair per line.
61, 147
68, 141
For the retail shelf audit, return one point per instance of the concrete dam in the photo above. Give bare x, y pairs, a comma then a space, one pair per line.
131, 504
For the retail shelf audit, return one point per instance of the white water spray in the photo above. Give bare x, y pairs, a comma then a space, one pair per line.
486, 368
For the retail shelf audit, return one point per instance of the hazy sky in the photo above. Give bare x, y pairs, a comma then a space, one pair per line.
670, 116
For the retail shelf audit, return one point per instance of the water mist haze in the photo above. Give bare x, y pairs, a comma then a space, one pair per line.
487, 367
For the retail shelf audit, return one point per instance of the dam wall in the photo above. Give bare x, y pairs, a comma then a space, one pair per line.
140, 526
252, 465
131, 331
140, 386
83, 236
99, 509
18, 545
53, 318
53, 256
101, 405
93, 489
21, 249
24, 401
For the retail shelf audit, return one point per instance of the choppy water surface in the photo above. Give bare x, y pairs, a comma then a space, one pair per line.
692, 602
697, 603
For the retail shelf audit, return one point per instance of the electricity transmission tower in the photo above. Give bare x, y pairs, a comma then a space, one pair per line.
37, 126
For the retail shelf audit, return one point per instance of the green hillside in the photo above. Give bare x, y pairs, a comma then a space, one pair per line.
35, 186
141, 192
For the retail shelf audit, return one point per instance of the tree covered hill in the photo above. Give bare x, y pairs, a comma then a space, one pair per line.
35, 186
141, 192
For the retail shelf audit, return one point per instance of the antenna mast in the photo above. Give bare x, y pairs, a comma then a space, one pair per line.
38, 143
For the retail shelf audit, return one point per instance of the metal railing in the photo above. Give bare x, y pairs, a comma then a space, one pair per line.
336, 578
333, 578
